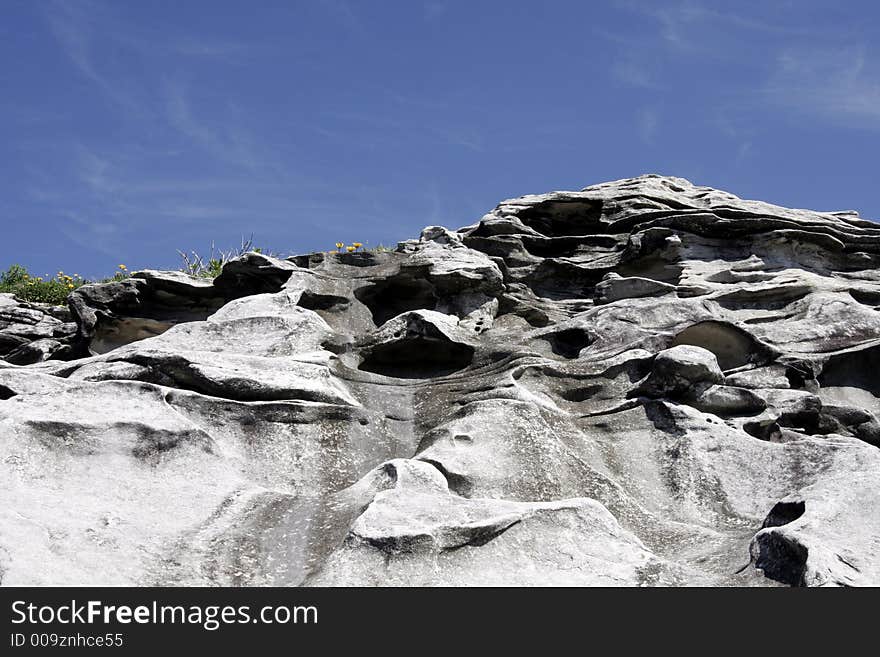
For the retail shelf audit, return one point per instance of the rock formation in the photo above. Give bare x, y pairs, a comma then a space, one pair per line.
645, 382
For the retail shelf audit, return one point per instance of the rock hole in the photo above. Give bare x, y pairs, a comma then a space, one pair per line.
853, 369
567, 247
781, 558
357, 259
308, 261
654, 268
110, 334
561, 279
328, 302
783, 513
866, 297
581, 394
763, 431
417, 358
732, 346
563, 217
797, 379
391, 297
6, 393
390, 471
569, 342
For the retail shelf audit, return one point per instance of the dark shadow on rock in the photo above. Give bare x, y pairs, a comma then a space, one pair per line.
783, 513
418, 358
781, 558
732, 346
568, 342
393, 296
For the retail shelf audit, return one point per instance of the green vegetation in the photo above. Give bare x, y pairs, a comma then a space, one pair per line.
26, 287
211, 265
45, 289
54, 289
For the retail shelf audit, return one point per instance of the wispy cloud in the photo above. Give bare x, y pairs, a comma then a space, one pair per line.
227, 140
74, 26
783, 61
88, 29
647, 124
631, 73
388, 130
93, 171
743, 150
342, 12
737, 130
838, 84
686, 24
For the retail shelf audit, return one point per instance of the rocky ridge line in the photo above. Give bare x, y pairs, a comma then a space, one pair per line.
646, 382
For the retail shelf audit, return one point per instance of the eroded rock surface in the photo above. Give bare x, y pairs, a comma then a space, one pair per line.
645, 382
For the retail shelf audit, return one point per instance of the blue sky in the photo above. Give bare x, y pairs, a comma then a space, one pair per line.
130, 129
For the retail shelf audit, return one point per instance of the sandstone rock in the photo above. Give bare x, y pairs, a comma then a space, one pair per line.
728, 400
36, 351
645, 382
678, 370
31, 333
614, 288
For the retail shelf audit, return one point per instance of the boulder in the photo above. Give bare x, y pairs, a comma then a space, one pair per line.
678, 370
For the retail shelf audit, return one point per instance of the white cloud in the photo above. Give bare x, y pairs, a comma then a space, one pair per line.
647, 123
838, 84
227, 140
632, 73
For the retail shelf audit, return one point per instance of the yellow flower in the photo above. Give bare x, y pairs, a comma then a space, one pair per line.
339, 245
356, 245
349, 249
123, 267
70, 286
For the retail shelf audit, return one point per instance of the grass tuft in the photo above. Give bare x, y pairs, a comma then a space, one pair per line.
211, 265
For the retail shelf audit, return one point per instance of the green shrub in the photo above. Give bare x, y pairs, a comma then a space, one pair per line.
15, 275
37, 289
40, 289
